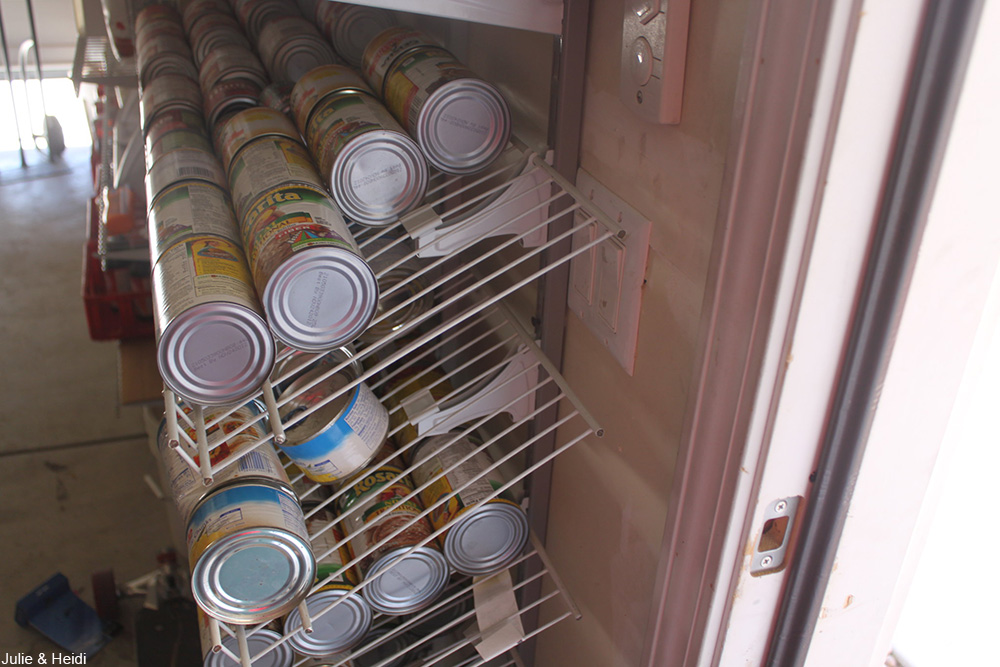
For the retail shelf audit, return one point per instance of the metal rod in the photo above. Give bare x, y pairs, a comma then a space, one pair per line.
204, 457
214, 634
272, 413
551, 369
575, 192
170, 413
241, 639
544, 556
10, 86
307, 624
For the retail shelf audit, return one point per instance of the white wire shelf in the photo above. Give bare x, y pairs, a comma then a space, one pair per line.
478, 364
455, 632
94, 62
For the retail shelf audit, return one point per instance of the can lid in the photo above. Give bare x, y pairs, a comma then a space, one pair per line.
409, 584
486, 538
254, 575
281, 656
336, 630
463, 126
321, 297
355, 29
378, 176
215, 353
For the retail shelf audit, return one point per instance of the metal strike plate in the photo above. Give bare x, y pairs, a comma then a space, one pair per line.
771, 551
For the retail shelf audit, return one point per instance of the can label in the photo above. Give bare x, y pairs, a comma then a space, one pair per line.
277, 96
231, 62
190, 209
186, 484
385, 48
230, 95
239, 507
346, 444
183, 165
248, 125
416, 78
433, 463
320, 82
265, 164
287, 220
381, 511
185, 120
340, 119
330, 558
178, 139
202, 269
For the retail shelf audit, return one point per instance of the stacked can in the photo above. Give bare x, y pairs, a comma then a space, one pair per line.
484, 535
340, 436
262, 640
317, 290
248, 545
161, 48
402, 577
349, 27
394, 263
253, 15
461, 122
213, 345
346, 624
374, 170
291, 46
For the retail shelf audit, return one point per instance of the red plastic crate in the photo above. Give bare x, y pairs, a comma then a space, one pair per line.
114, 311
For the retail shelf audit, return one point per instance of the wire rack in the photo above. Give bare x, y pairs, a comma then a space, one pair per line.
480, 370
94, 62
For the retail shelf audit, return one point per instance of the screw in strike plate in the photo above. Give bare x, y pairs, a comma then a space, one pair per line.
638, 96
780, 506
766, 560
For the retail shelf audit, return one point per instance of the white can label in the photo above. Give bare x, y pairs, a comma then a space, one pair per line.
267, 163
236, 508
190, 209
348, 444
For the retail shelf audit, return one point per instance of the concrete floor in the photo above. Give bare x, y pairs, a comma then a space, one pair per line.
71, 461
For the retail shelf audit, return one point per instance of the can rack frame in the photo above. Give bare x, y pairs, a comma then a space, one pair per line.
517, 213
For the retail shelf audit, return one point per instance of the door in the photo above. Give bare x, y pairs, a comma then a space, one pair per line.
850, 268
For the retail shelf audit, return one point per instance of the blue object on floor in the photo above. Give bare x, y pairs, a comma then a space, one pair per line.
56, 611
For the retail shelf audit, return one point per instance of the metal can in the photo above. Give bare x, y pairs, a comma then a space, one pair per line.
342, 436
317, 84
377, 656
215, 31
188, 209
253, 15
374, 170
171, 121
230, 97
213, 345
266, 163
183, 164
250, 553
295, 364
261, 463
242, 128
344, 626
385, 48
163, 54
291, 46
316, 289
403, 297
484, 536
277, 96
166, 93
176, 140
157, 19
196, 11
231, 62
374, 509
351, 27
258, 642
461, 122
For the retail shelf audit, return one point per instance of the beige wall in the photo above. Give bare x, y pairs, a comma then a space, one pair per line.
620, 484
